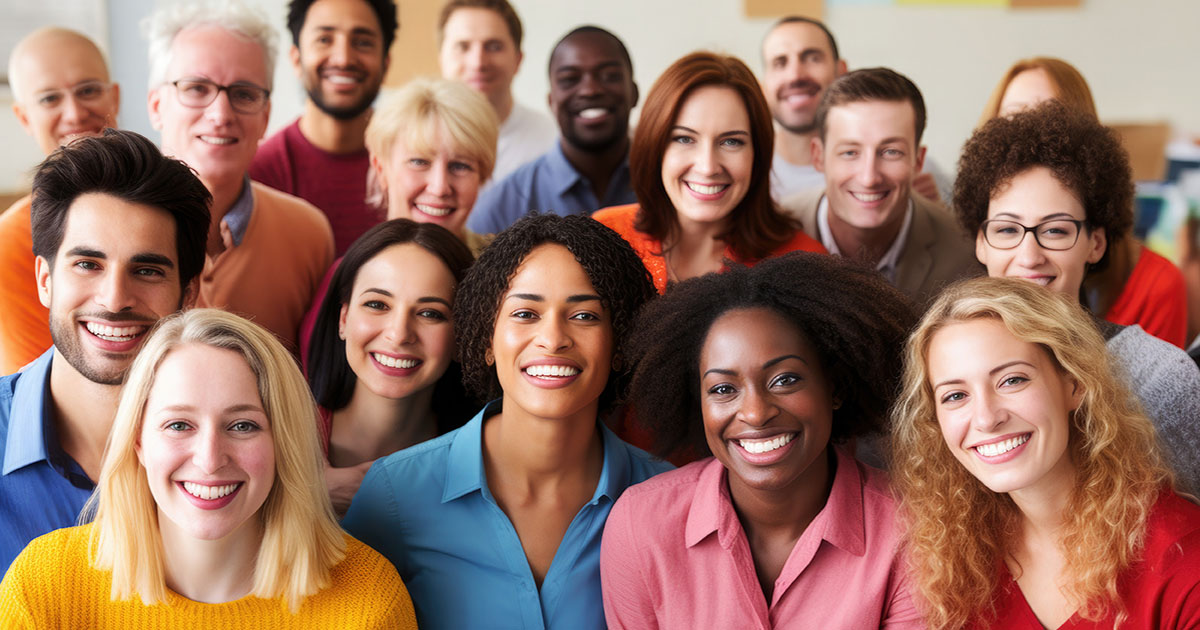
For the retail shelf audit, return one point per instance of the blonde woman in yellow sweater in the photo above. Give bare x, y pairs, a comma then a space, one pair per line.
210, 511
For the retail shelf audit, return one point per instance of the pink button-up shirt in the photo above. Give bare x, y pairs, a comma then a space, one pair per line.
674, 555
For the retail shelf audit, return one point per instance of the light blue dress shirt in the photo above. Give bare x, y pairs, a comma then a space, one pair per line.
428, 510
547, 184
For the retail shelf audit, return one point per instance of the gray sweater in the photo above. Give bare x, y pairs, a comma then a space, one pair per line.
1167, 382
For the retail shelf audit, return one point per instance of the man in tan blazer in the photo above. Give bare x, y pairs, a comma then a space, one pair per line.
869, 149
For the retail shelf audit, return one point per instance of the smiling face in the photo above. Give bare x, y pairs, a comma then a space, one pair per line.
869, 156
438, 186
591, 91
215, 140
1026, 90
767, 407
1033, 197
709, 159
1003, 405
64, 87
398, 328
799, 65
206, 445
116, 274
553, 341
478, 50
340, 57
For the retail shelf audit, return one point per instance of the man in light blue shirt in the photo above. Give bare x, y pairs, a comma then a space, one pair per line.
119, 233
591, 94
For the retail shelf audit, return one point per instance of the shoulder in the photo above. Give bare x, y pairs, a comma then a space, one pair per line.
16, 217
642, 465
1153, 269
801, 242
802, 207
51, 556
938, 219
527, 120
656, 509
1172, 545
670, 483
364, 567
417, 471
298, 213
364, 592
619, 218
1148, 358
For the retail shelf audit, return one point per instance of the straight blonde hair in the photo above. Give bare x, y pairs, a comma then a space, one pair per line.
301, 538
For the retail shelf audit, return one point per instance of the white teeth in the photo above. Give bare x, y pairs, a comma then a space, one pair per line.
341, 79
1043, 280
707, 190
395, 363
109, 333
592, 113
1000, 448
763, 446
216, 140
208, 493
558, 371
433, 211
869, 196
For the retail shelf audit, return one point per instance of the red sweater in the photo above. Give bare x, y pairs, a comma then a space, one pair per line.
1161, 591
1154, 297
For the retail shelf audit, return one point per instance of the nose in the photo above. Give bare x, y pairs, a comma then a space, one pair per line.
868, 170
475, 56
209, 454
220, 111
73, 111
552, 334
989, 413
757, 408
1029, 253
114, 293
401, 329
589, 84
708, 161
439, 179
339, 52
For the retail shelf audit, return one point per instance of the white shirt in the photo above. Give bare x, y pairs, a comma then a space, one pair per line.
788, 179
524, 135
887, 264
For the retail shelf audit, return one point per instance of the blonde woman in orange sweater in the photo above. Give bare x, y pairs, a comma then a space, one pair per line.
211, 510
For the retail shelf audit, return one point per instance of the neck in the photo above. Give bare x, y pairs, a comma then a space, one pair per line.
866, 245
83, 414
597, 166
794, 148
1044, 504
784, 511
331, 134
372, 426
225, 192
695, 249
503, 104
211, 571
539, 454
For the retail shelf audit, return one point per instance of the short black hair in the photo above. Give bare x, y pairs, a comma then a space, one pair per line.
329, 375
800, 19
611, 265
385, 12
125, 165
589, 28
854, 319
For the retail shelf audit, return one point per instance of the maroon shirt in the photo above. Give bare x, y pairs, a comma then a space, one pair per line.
335, 183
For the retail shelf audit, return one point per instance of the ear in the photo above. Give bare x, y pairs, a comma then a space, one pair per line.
520, 58
818, 154
22, 117
116, 95
920, 165
636, 95
378, 166
153, 102
1098, 241
1077, 392
190, 293
137, 448
294, 57
981, 248
840, 68
342, 322
41, 272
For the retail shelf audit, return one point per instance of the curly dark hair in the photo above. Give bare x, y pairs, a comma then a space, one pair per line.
854, 319
615, 271
1085, 156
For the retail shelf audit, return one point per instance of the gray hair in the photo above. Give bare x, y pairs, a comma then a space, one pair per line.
231, 15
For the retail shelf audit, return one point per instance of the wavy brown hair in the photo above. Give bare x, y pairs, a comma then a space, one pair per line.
756, 226
1073, 90
957, 529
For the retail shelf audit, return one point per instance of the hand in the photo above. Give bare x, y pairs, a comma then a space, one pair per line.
925, 186
343, 483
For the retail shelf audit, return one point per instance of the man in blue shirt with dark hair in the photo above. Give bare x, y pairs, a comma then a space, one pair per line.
119, 233
591, 94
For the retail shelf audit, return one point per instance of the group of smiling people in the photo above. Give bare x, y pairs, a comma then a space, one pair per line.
1036, 454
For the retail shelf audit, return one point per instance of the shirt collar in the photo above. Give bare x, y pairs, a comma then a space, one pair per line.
464, 463
29, 423
561, 171
840, 522
238, 217
891, 257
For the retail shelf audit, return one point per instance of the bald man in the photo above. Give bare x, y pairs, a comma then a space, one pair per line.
61, 90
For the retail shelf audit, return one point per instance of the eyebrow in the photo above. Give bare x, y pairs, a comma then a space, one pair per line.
992, 372
571, 299
144, 258
768, 364
230, 409
357, 30
735, 132
575, 67
1048, 217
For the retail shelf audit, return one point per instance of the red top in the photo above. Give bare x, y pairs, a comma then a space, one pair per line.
1154, 297
24, 322
1160, 591
621, 220
334, 183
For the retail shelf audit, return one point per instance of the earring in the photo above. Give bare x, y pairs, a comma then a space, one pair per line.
341, 334
488, 357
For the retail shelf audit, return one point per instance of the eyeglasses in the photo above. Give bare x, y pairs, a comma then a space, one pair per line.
86, 92
1057, 235
244, 98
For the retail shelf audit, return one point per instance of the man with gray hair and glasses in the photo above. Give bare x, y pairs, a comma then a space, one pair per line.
211, 66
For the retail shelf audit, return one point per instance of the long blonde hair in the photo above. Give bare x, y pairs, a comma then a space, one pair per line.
301, 538
958, 530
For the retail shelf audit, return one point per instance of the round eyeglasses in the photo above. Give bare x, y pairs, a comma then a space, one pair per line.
1056, 234
244, 98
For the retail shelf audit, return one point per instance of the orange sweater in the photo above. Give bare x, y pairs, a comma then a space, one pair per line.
24, 322
622, 218
53, 585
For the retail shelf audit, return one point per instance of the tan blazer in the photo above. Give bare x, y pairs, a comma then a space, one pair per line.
936, 253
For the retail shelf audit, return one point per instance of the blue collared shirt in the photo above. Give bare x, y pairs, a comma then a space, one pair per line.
41, 488
547, 184
237, 219
428, 509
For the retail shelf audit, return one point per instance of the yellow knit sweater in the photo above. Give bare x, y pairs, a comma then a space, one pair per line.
52, 585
